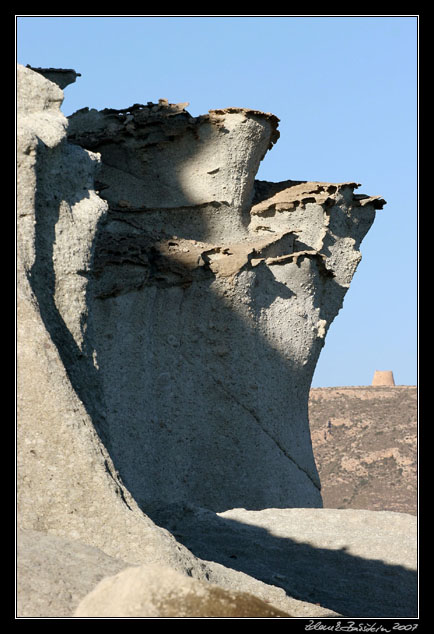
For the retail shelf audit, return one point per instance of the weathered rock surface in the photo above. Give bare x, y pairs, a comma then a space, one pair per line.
208, 302
158, 592
356, 563
67, 484
55, 574
365, 445
168, 330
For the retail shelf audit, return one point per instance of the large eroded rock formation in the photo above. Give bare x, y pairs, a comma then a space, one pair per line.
186, 303
171, 310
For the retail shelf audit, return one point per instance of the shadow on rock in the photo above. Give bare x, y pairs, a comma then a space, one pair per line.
347, 584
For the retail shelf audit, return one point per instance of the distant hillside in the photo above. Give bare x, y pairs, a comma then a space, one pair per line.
365, 446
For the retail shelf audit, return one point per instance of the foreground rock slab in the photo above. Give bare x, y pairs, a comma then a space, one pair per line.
55, 574
354, 562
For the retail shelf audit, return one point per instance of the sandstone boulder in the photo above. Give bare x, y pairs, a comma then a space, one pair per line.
159, 592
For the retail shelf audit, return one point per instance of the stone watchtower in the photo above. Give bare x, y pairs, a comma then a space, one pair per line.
383, 377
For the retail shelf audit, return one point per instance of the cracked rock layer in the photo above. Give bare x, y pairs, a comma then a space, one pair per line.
187, 301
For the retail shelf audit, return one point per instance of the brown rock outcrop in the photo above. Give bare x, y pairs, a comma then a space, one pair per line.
365, 444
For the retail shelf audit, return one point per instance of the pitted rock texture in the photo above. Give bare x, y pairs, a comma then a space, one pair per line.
77, 521
171, 311
67, 483
218, 290
192, 175
187, 303
54, 574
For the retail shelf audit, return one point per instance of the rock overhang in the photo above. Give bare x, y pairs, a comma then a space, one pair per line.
184, 229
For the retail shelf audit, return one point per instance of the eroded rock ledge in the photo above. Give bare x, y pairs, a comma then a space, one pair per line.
171, 311
188, 303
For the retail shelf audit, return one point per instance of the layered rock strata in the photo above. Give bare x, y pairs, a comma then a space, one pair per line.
187, 302
171, 310
210, 297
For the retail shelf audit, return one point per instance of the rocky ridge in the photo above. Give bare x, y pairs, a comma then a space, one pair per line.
365, 444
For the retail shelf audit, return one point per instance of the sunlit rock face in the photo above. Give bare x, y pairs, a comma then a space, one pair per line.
191, 324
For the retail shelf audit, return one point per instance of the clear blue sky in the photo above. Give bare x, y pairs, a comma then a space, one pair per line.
345, 90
